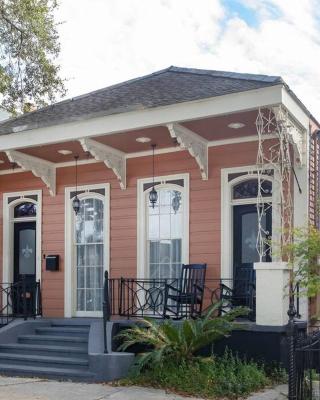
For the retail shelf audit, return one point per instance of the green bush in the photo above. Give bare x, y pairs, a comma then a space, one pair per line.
179, 342
226, 376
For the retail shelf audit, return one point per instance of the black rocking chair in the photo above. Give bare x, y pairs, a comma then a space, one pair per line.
184, 297
240, 293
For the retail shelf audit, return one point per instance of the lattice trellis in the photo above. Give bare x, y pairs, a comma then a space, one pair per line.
274, 129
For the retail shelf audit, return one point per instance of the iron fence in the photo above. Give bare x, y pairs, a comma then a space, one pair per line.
19, 300
129, 297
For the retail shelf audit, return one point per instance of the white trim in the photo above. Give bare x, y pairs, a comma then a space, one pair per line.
141, 218
69, 281
166, 150
226, 213
8, 221
179, 112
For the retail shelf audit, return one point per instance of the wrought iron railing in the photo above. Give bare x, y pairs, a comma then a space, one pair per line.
130, 297
19, 300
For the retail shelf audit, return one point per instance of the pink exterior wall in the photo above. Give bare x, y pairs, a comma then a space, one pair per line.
205, 205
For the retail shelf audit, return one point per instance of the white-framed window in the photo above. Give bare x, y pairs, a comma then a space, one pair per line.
163, 231
87, 250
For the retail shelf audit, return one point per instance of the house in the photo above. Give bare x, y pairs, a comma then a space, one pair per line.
212, 144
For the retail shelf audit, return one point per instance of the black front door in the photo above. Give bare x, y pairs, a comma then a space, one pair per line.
245, 231
24, 265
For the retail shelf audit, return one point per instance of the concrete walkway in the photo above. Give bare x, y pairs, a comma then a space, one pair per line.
41, 389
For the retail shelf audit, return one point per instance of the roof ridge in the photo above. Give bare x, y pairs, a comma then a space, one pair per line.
228, 74
172, 68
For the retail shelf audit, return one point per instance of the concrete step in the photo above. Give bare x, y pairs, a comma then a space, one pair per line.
44, 361
63, 331
70, 324
36, 349
46, 372
51, 340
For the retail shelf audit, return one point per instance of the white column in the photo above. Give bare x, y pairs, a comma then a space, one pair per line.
272, 293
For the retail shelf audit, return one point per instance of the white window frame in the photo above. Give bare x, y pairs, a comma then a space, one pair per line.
142, 257
8, 231
70, 283
227, 204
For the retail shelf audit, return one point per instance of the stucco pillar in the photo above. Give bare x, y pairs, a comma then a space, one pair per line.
272, 293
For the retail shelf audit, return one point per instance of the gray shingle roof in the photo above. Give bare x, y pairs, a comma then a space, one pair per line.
165, 87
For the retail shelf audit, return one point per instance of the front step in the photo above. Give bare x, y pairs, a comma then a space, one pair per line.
63, 331
59, 351
52, 340
55, 351
46, 372
44, 361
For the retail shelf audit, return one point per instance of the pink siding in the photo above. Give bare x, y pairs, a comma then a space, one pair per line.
204, 211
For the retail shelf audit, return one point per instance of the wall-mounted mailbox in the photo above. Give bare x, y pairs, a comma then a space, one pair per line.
52, 262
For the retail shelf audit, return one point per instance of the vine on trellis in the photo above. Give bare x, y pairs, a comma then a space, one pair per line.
274, 129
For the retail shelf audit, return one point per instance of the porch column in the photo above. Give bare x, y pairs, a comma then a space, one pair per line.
272, 293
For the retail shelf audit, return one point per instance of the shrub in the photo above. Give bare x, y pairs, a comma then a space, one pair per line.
179, 342
226, 376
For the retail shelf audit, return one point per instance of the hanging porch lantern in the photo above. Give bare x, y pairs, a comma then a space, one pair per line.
76, 201
153, 195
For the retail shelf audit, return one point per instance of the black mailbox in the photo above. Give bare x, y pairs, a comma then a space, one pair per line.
52, 262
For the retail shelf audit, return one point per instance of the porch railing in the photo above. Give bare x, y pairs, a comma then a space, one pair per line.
19, 300
130, 297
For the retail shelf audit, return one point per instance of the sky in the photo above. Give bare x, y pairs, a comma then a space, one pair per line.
104, 42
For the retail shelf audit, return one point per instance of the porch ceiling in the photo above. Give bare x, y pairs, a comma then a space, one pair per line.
211, 129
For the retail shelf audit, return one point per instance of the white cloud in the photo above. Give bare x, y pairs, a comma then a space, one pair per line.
107, 41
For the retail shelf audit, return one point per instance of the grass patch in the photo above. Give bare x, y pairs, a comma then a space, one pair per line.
222, 377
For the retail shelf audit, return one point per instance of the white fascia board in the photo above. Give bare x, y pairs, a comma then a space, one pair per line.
295, 110
220, 105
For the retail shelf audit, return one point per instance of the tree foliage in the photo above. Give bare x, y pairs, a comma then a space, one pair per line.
304, 253
29, 46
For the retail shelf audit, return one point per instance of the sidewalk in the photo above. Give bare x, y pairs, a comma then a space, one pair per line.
41, 389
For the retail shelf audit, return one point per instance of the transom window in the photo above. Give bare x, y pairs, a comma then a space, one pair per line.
26, 209
165, 233
249, 189
89, 250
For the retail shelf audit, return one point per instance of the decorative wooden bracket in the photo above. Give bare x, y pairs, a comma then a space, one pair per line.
297, 134
113, 158
194, 143
43, 169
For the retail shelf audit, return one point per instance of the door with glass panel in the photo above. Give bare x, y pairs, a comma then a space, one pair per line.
89, 256
165, 234
24, 253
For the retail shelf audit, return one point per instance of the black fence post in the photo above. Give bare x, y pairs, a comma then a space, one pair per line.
291, 333
24, 298
106, 310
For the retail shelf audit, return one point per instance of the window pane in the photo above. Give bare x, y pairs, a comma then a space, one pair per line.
25, 210
249, 238
154, 227
89, 238
27, 252
176, 250
250, 188
165, 235
165, 226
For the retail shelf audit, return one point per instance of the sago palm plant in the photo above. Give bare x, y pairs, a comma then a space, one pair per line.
178, 342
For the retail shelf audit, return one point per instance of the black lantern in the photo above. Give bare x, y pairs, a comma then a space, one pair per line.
153, 195
76, 201
76, 205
